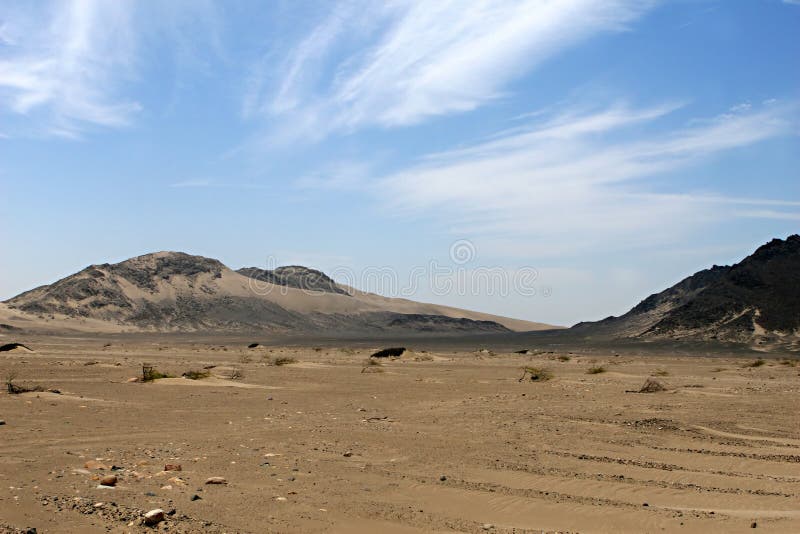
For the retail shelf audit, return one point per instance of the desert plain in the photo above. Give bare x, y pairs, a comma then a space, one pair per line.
445, 438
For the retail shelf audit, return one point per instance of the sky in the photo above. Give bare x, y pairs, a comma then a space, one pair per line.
551, 160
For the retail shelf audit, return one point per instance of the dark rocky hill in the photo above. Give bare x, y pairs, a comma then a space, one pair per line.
757, 297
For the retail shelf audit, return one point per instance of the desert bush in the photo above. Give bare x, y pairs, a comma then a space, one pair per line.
282, 360
194, 374
756, 363
150, 373
651, 385
16, 389
596, 370
537, 374
236, 374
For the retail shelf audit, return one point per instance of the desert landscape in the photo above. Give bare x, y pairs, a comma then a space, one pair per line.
166, 393
325, 439
399, 267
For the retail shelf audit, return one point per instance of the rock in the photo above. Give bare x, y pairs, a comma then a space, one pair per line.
133, 379
154, 517
348, 454
196, 497
488, 526
177, 481
109, 480
173, 467
442, 478
753, 524
2, 422
216, 480
94, 464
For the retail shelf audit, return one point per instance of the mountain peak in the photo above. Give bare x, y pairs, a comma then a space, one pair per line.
296, 276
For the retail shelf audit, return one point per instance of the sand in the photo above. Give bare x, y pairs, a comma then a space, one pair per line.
433, 442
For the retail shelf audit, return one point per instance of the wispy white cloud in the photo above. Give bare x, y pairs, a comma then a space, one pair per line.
66, 66
402, 63
66, 62
577, 180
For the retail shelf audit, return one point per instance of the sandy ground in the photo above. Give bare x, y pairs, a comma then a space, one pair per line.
432, 442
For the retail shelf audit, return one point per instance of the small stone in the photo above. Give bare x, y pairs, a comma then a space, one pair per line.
2, 422
154, 517
645, 504
348, 454
173, 467
442, 478
488, 526
109, 480
216, 480
196, 497
94, 464
177, 481
133, 379
753, 524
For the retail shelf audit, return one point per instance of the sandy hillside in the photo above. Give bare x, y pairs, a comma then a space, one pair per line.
173, 291
431, 442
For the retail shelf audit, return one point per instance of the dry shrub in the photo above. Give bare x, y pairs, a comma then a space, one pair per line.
537, 374
16, 389
150, 373
596, 370
282, 360
236, 374
651, 385
193, 374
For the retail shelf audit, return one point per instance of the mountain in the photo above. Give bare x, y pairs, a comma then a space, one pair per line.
757, 297
173, 291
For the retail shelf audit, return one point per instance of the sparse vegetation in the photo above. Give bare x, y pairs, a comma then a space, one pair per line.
236, 374
16, 389
282, 360
150, 373
537, 374
564, 358
660, 372
651, 385
371, 365
596, 370
756, 363
193, 374
791, 362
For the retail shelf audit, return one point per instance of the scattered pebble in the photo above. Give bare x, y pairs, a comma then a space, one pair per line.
109, 480
154, 517
216, 480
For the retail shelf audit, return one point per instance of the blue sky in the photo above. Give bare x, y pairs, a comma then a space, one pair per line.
614, 147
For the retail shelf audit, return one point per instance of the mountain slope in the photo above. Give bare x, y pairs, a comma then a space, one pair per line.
756, 297
173, 291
